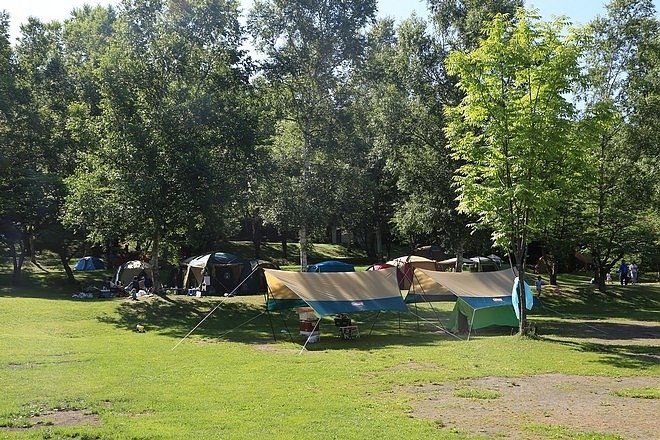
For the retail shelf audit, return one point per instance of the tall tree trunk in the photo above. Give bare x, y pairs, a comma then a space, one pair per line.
379, 244
256, 236
333, 234
158, 288
459, 259
285, 247
303, 248
305, 187
64, 259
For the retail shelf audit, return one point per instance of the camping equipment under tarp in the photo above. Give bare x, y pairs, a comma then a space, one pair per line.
331, 266
342, 292
221, 272
133, 268
408, 264
89, 263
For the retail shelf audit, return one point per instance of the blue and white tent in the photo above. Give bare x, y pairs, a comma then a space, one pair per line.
89, 263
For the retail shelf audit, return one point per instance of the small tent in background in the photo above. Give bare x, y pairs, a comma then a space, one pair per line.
481, 264
134, 268
331, 266
408, 264
399, 275
89, 263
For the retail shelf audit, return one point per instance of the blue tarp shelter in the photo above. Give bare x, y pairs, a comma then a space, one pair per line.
331, 266
89, 263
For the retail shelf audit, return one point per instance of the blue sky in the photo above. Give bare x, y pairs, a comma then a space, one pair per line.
579, 11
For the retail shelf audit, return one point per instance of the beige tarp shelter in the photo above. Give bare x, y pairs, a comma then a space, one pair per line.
470, 284
332, 293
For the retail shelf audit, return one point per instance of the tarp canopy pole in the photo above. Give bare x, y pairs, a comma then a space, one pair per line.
374, 323
216, 308
416, 276
270, 319
471, 322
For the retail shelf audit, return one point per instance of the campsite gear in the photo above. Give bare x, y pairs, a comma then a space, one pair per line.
342, 320
89, 263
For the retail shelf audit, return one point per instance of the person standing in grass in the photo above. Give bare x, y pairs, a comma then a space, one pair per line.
623, 273
539, 285
633, 273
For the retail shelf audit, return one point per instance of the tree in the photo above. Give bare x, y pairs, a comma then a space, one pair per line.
460, 24
619, 126
512, 130
310, 47
173, 125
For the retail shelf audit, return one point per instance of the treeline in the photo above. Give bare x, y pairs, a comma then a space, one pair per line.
174, 124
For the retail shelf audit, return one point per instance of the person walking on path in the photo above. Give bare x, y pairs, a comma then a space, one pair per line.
539, 285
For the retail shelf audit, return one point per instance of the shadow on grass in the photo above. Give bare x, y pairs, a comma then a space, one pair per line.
599, 330
50, 285
248, 322
633, 357
638, 302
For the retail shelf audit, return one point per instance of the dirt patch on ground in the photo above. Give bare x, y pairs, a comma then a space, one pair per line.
580, 403
59, 418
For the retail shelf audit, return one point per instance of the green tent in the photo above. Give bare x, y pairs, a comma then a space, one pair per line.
471, 313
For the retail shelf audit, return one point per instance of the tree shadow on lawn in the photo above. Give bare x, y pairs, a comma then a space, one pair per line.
603, 330
638, 302
631, 357
50, 285
626, 345
238, 321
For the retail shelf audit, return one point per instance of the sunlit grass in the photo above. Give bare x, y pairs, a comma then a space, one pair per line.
639, 393
240, 373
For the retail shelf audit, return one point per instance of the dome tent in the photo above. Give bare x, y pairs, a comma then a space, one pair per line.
133, 268
223, 272
89, 263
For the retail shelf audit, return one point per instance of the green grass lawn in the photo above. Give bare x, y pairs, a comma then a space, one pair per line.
231, 380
